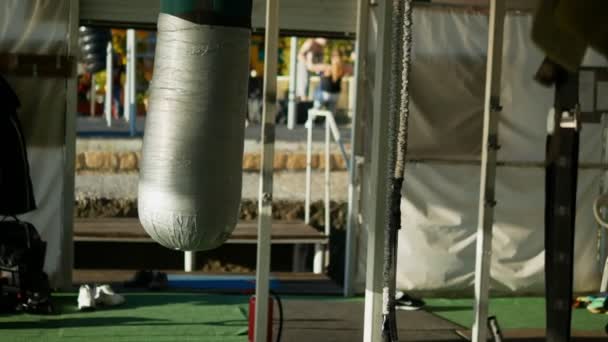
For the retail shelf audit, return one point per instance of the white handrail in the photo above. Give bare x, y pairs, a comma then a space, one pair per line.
320, 258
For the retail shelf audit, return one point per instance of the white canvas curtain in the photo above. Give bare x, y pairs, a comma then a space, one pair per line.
440, 201
41, 27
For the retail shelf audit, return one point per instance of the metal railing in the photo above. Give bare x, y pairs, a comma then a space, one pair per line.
331, 128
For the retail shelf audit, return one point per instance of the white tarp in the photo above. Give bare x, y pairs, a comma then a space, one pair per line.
41, 27
440, 203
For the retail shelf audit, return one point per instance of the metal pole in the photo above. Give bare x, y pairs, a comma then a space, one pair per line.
293, 72
602, 262
359, 86
489, 145
189, 261
320, 250
64, 280
92, 95
327, 175
109, 83
309, 125
377, 218
126, 99
265, 195
132, 80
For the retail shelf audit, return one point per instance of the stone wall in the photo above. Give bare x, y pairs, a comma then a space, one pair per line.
88, 207
125, 161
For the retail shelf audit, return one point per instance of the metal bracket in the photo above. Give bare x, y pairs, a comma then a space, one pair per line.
571, 119
269, 133
493, 142
266, 198
495, 106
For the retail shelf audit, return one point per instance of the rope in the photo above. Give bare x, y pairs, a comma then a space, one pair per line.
398, 123
405, 97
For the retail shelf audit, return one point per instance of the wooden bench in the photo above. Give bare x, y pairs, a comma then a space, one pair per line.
129, 230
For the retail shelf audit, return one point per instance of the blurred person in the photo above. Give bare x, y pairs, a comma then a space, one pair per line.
310, 55
328, 93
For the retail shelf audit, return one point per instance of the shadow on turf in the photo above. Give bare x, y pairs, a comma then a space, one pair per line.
433, 308
80, 322
67, 304
108, 321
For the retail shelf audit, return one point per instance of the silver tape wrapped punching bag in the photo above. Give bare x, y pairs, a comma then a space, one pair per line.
191, 171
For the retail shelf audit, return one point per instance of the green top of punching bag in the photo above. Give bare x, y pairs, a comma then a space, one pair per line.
210, 12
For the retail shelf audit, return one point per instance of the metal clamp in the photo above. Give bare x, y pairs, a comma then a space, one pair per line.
495, 104
266, 198
493, 142
571, 119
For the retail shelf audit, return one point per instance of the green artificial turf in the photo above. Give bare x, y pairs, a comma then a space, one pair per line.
513, 313
173, 316
144, 317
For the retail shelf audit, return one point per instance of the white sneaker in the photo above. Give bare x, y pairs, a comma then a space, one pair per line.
104, 295
86, 300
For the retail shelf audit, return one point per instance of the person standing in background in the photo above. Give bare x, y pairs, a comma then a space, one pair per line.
328, 93
310, 55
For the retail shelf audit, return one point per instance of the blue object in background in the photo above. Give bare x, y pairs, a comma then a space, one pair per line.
244, 283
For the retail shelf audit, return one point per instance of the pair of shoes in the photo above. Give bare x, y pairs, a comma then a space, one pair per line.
153, 280
91, 296
407, 302
105, 296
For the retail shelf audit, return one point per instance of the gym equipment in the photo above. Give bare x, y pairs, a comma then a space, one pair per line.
190, 179
93, 44
398, 124
251, 332
560, 205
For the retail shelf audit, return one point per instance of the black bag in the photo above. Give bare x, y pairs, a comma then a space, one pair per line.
16, 191
21, 246
22, 254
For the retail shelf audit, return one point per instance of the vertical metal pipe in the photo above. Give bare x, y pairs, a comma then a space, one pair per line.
132, 80
602, 262
293, 72
127, 88
357, 100
67, 243
318, 262
266, 179
109, 84
189, 261
92, 95
327, 175
489, 145
327, 184
376, 220
309, 125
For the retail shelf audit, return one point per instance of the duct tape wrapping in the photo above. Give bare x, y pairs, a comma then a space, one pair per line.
191, 172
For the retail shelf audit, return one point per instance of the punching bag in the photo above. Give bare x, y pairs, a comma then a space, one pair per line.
191, 170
